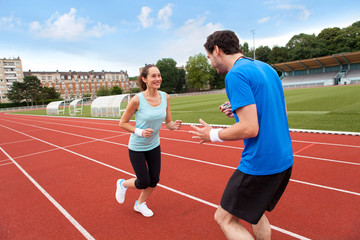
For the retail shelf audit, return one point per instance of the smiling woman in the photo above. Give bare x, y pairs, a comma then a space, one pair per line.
150, 108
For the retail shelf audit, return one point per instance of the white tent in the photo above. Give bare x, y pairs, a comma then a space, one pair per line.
76, 106
109, 106
55, 108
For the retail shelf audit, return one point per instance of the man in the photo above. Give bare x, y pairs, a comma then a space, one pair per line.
258, 106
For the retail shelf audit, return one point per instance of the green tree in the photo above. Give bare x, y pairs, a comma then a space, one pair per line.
169, 74
304, 46
350, 37
180, 83
48, 93
198, 72
32, 89
217, 81
278, 55
102, 91
245, 49
115, 90
263, 53
332, 38
16, 93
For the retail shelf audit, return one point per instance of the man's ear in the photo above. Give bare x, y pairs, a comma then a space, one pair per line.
217, 50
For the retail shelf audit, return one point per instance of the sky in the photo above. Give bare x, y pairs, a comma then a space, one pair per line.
115, 35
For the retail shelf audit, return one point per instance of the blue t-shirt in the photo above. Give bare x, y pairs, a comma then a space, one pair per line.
255, 82
148, 117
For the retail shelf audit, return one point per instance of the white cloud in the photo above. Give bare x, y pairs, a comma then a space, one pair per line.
304, 13
190, 39
144, 17
9, 22
263, 20
163, 16
68, 27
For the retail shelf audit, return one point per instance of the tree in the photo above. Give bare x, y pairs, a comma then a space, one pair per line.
180, 83
278, 55
16, 93
305, 46
115, 90
102, 91
245, 50
217, 81
32, 89
198, 71
332, 38
350, 37
263, 53
48, 93
169, 74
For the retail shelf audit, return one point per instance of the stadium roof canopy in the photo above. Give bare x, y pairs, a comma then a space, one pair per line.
320, 62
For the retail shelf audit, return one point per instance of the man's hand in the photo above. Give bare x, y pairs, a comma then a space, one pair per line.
226, 109
201, 133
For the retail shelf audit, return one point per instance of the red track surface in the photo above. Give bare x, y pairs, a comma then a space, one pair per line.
76, 162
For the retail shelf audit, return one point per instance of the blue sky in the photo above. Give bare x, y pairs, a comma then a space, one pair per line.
114, 35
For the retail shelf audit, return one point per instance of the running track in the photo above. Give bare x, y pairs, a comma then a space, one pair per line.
58, 175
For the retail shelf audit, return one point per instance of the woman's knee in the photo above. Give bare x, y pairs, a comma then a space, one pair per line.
142, 183
154, 182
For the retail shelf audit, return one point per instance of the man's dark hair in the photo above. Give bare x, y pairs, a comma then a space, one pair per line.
225, 40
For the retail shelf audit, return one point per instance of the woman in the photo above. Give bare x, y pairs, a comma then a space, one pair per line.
150, 107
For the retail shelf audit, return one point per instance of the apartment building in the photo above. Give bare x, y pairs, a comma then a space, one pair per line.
10, 71
73, 84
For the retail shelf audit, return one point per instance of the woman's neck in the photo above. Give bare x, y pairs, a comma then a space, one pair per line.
150, 92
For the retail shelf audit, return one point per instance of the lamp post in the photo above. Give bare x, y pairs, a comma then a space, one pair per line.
253, 33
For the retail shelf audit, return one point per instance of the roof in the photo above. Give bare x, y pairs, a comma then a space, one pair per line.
326, 61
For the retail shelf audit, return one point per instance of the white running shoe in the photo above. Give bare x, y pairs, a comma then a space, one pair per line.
143, 209
120, 191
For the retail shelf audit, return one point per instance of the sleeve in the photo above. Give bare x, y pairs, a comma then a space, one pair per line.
239, 90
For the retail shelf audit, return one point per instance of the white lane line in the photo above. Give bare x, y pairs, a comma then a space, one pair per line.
328, 160
52, 200
326, 187
6, 163
187, 141
165, 129
177, 156
160, 185
15, 142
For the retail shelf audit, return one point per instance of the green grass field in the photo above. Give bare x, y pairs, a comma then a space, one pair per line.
327, 108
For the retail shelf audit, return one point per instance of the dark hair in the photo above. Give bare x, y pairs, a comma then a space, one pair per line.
225, 40
144, 73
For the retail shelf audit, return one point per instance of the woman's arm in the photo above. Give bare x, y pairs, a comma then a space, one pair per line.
168, 119
130, 110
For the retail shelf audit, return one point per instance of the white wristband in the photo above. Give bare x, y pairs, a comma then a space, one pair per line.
138, 132
214, 135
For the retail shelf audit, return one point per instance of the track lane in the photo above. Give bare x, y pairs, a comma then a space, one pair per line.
162, 141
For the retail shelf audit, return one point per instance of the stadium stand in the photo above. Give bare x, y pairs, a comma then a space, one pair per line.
337, 69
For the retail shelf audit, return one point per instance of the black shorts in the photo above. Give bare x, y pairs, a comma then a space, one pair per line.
248, 196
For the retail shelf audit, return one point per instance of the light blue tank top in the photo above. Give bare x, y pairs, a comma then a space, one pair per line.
148, 117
